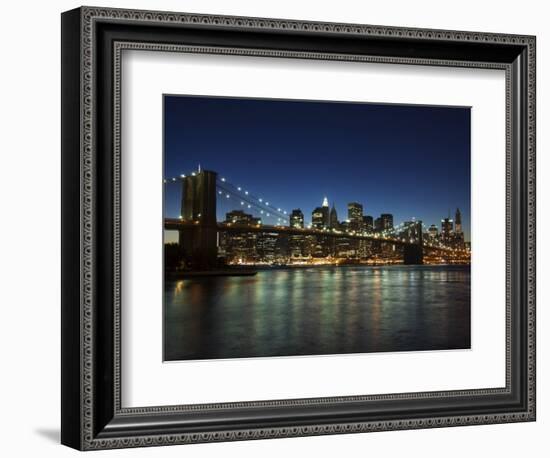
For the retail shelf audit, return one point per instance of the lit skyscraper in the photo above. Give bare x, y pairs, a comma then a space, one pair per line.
384, 222
368, 223
355, 216
458, 235
297, 218
447, 231
296, 242
240, 217
387, 221
458, 221
242, 246
320, 217
266, 247
433, 232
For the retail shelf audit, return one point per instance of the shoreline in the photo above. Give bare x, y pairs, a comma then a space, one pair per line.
252, 270
291, 267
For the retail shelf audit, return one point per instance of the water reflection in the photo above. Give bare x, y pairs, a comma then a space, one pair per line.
314, 311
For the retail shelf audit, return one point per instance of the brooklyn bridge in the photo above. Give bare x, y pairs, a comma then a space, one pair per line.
199, 228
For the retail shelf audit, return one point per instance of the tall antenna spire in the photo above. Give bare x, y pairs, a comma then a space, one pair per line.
199, 167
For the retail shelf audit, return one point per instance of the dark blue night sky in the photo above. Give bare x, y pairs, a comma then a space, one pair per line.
411, 161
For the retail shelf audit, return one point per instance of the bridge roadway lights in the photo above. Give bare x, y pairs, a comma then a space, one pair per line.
197, 236
199, 241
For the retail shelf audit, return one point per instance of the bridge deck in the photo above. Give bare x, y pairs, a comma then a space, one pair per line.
177, 224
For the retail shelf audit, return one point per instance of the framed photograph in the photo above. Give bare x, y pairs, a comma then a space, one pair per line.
277, 228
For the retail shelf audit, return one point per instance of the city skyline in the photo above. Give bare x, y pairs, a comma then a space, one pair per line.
205, 243
308, 220
292, 224
222, 133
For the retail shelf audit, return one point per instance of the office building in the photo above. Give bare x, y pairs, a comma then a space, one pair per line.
355, 216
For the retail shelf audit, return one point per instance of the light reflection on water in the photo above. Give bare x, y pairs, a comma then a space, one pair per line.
313, 311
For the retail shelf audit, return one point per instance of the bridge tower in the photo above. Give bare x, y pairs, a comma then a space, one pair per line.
198, 204
414, 253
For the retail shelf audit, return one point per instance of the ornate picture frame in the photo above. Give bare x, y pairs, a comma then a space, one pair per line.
92, 413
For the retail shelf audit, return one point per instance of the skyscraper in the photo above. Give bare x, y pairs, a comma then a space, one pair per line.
266, 247
326, 212
297, 243
447, 231
241, 247
320, 217
378, 224
355, 224
458, 235
355, 216
333, 218
433, 232
297, 218
387, 221
458, 221
368, 223
384, 222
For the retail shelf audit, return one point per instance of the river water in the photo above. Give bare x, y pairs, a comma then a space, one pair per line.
318, 311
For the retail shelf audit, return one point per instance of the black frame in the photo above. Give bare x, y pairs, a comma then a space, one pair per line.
92, 40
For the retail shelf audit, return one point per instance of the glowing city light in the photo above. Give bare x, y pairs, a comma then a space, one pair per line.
439, 250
